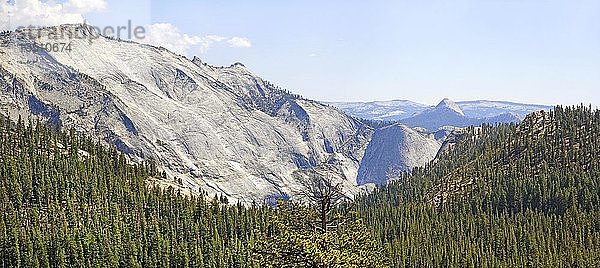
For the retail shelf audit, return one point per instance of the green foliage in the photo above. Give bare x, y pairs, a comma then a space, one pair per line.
293, 238
510, 195
67, 201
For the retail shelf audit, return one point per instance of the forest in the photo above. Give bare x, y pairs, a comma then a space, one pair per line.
510, 195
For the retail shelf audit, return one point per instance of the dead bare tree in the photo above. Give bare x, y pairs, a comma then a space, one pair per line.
320, 192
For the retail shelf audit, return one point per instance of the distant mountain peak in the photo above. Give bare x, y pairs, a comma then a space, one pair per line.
238, 64
451, 105
446, 113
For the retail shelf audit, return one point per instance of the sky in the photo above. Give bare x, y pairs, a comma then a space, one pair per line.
533, 51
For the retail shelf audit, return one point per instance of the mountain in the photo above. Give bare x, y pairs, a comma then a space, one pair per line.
448, 114
393, 150
489, 109
218, 130
393, 110
484, 111
449, 106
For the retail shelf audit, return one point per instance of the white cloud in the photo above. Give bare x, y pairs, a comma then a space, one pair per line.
170, 37
84, 6
38, 13
239, 42
23, 13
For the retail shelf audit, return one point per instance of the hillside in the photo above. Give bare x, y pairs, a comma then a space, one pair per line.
67, 201
219, 130
512, 195
395, 149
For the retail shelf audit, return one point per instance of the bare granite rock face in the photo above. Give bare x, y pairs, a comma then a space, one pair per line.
212, 129
394, 149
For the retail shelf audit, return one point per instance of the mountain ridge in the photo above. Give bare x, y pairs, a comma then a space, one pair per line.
397, 110
218, 130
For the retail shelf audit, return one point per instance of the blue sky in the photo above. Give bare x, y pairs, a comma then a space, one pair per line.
519, 50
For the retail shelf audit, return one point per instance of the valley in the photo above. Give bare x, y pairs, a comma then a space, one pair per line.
122, 154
